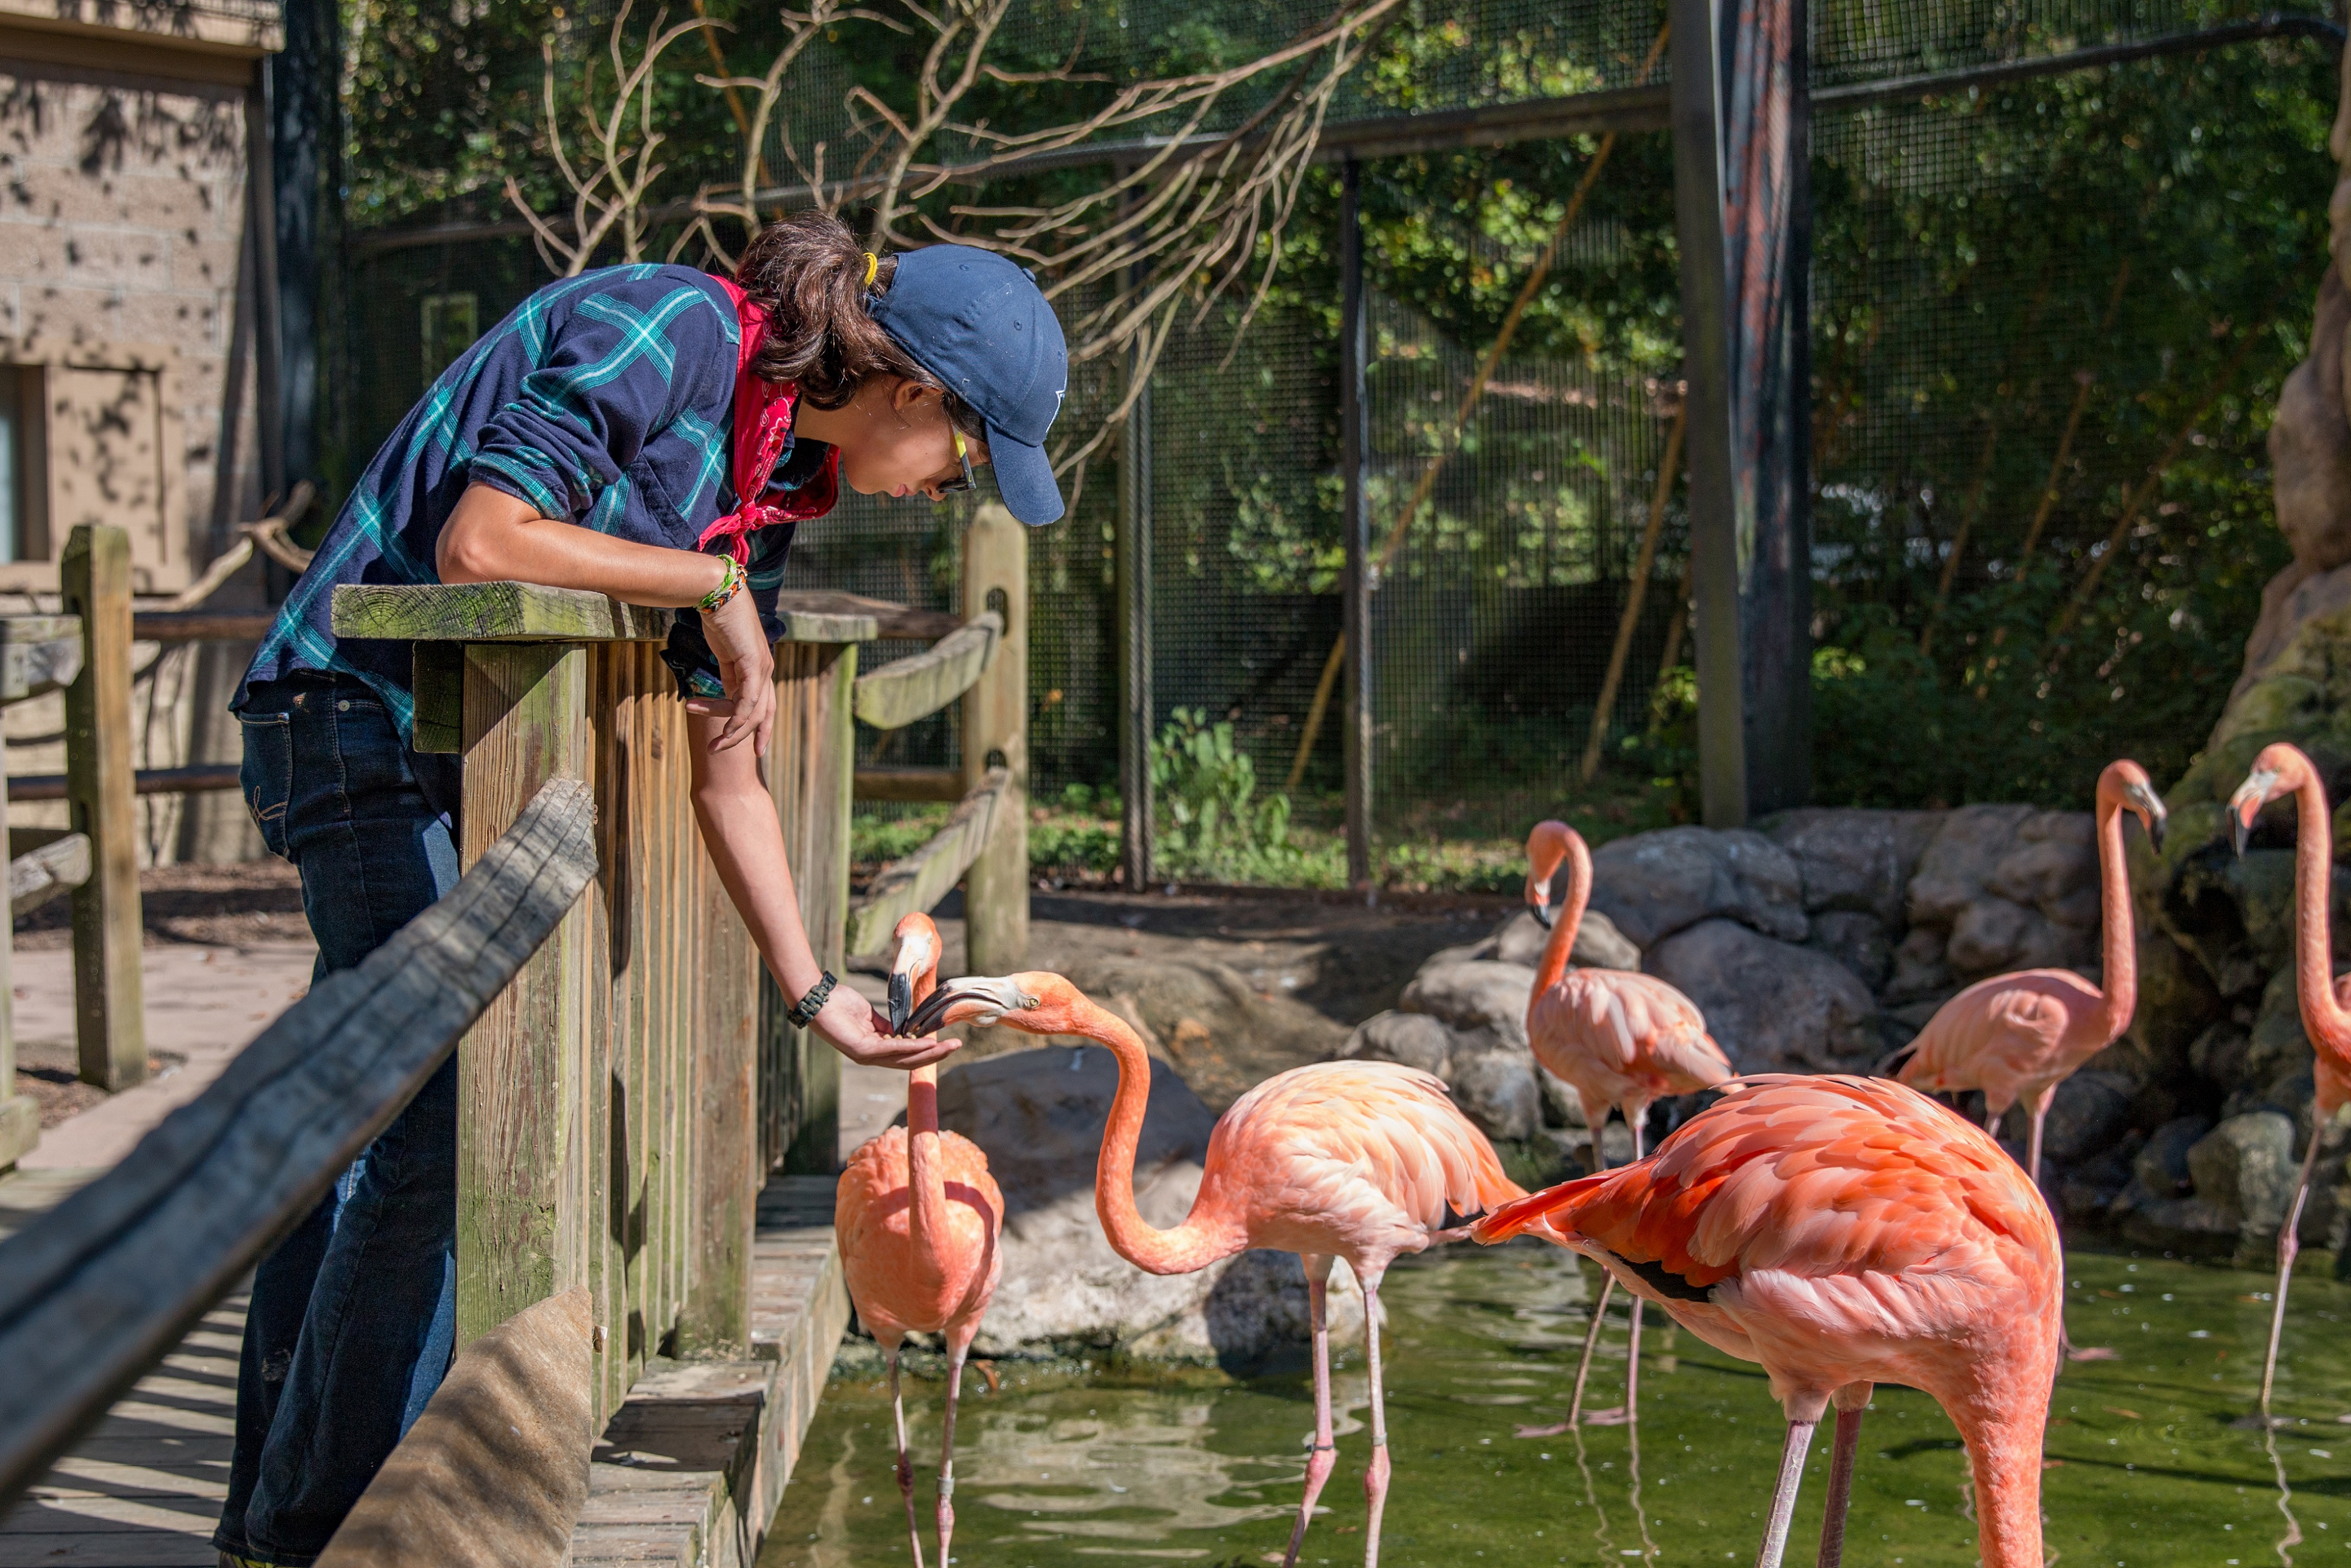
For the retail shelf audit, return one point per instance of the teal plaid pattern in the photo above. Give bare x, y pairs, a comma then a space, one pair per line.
605, 398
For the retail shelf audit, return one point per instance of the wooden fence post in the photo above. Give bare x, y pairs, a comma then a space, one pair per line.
109, 1017
995, 734
525, 722
20, 1115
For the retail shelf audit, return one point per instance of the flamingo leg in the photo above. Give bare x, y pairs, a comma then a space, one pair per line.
1591, 1342
905, 1465
2033, 1144
1783, 1494
957, 1348
1848, 1440
2289, 1244
1376, 1474
1632, 1298
1325, 1455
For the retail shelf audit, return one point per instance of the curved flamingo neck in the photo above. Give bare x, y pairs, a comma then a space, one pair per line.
1203, 1238
2007, 1466
2119, 932
2323, 1017
926, 1212
1561, 945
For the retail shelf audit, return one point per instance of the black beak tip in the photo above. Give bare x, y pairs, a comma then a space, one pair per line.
2155, 835
2238, 831
902, 1002
1542, 914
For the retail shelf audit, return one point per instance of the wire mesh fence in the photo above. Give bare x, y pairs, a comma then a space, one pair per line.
2049, 316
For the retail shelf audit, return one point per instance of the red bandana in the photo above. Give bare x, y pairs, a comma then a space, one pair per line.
763, 422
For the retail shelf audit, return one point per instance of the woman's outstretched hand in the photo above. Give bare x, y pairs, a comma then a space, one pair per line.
849, 1024
746, 668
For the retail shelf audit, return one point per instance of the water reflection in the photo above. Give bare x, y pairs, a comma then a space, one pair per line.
2146, 1467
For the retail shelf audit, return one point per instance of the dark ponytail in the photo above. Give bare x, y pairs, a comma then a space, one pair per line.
808, 270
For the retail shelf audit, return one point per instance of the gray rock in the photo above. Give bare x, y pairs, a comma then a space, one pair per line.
1483, 1001
1859, 861
1856, 940
1222, 1032
1654, 884
2007, 884
2246, 1165
2188, 1225
1961, 857
1039, 1115
1920, 972
1495, 1083
2161, 1165
2089, 1190
1520, 940
2086, 1115
1771, 1007
1413, 1039
1563, 1107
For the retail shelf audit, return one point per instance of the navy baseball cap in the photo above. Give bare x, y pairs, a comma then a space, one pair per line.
980, 323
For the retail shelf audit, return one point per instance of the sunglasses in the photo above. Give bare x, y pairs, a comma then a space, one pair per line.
963, 456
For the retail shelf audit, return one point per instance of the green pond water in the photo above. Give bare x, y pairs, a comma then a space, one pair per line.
2147, 1469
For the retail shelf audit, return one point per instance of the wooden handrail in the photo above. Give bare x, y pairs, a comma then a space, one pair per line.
199, 778
101, 1288
923, 878
905, 690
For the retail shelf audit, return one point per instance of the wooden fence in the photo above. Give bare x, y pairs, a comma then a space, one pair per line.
627, 1083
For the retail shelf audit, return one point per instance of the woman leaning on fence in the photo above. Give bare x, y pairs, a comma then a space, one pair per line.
650, 433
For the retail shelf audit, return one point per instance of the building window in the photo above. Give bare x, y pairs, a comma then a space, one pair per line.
16, 531
450, 323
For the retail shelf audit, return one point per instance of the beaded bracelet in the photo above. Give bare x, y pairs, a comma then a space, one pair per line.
731, 582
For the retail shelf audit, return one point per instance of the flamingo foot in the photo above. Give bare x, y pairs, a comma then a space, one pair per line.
1614, 1415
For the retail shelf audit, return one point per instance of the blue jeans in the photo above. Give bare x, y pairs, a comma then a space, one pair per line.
352, 1316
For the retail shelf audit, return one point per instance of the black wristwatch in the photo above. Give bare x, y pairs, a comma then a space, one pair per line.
804, 1012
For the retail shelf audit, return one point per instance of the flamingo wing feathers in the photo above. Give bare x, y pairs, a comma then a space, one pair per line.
2006, 1036
1623, 1034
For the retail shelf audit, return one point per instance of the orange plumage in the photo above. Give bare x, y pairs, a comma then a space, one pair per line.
1844, 1232
917, 1217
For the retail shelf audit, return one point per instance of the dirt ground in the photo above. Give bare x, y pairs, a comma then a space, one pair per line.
1326, 951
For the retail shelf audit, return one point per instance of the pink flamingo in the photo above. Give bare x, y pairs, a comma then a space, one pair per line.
2017, 1037
1359, 1160
1619, 1038
2326, 1002
1843, 1232
917, 1216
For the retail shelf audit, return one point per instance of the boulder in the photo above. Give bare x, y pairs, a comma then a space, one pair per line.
1654, 884
1466, 1022
1772, 1007
2245, 1166
2086, 1115
1413, 1039
2089, 1190
1860, 862
2012, 888
1218, 1030
1039, 1115
1520, 940
1856, 940
1483, 1001
2161, 1165
1920, 973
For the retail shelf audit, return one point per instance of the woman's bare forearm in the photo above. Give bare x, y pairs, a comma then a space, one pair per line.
745, 841
493, 536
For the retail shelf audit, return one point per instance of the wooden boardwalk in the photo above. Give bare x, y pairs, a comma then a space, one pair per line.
689, 1471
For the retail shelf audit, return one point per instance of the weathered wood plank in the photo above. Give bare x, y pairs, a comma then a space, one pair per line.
923, 878
491, 612
912, 784
109, 1010
716, 1318
905, 690
104, 1285
891, 622
55, 869
494, 1470
526, 724
20, 1115
38, 653
201, 778
201, 625
801, 1075
995, 736
436, 674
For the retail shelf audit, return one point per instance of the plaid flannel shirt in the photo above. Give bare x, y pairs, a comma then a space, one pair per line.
604, 399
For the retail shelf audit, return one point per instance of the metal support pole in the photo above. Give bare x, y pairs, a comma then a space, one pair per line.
1720, 538
1132, 563
1356, 524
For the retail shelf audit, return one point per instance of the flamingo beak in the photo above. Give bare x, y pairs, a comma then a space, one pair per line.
1539, 901
2246, 804
2151, 812
902, 1001
974, 998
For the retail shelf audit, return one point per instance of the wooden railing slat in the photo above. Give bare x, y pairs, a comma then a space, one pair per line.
923, 878
899, 693
38, 653
491, 612
909, 784
892, 622
102, 1287
200, 626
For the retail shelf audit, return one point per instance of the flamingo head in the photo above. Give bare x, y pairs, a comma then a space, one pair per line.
2280, 769
1033, 1003
1547, 845
914, 967
2126, 784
